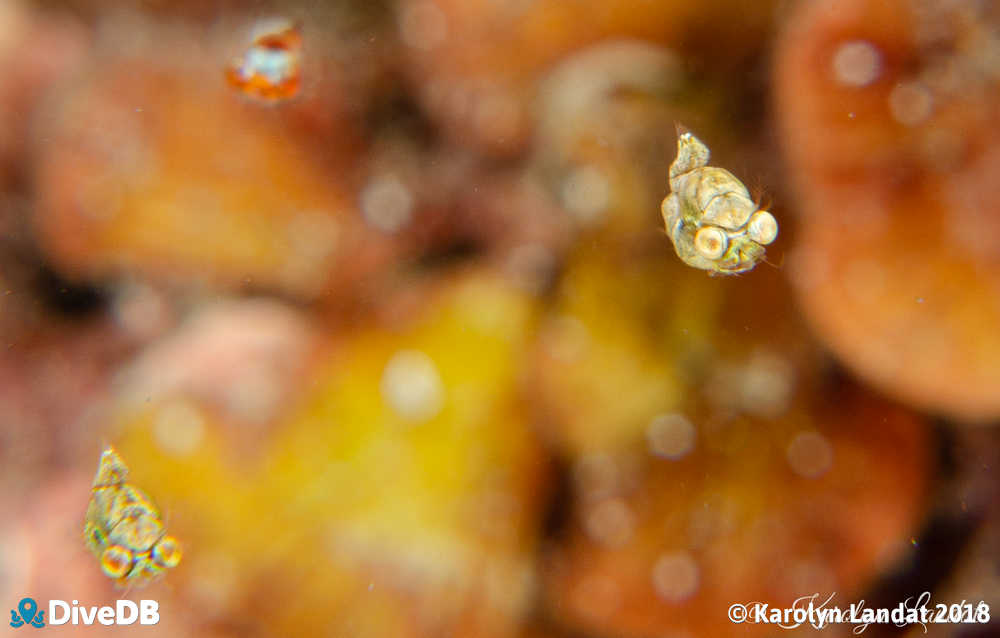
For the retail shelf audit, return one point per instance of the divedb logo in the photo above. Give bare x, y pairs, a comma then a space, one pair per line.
124, 612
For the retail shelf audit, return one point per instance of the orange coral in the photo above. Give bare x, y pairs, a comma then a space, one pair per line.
717, 511
156, 169
460, 52
892, 147
699, 427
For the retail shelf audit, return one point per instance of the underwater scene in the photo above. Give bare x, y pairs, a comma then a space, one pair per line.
500, 318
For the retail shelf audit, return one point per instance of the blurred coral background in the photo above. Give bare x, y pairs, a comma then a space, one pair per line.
409, 353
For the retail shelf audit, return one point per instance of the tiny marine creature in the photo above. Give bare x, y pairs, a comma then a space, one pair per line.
709, 215
29, 613
270, 69
123, 528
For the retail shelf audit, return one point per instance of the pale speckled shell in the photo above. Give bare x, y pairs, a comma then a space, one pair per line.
702, 196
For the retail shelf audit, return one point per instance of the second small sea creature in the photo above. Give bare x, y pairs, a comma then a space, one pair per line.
709, 215
123, 528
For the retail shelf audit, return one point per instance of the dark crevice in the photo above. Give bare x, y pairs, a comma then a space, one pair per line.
66, 298
460, 251
939, 545
558, 514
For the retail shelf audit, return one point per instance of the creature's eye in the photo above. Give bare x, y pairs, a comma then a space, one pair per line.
167, 552
762, 227
116, 561
711, 242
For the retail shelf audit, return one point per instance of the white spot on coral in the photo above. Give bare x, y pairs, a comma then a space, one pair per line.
675, 577
610, 522
910, 103
141, 311
767, 385
856, 63
809, 454
671, 436
760, 387
586, 194
387, 203
178, 428
412, 386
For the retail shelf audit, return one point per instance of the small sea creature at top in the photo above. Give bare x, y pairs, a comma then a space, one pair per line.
270, 69
123, 527
709, 215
